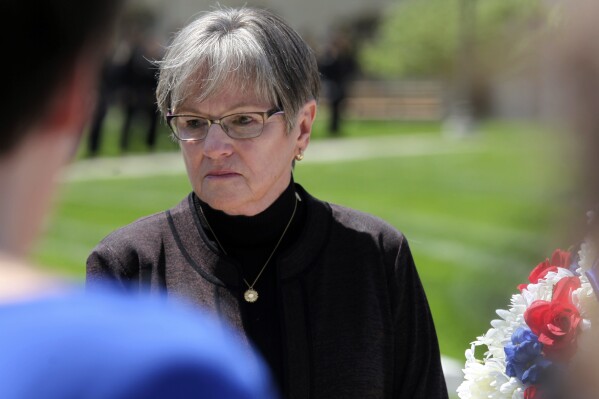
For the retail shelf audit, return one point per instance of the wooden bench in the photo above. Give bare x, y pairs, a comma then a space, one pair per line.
398, 100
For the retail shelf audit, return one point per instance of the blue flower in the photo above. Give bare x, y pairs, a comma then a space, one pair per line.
524, 358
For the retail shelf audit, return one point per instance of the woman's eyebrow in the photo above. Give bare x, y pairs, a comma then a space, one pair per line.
230, 110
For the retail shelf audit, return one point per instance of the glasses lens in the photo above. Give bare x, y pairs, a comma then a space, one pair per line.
243, 126
189, 127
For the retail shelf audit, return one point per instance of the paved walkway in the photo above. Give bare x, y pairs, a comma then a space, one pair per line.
323, 150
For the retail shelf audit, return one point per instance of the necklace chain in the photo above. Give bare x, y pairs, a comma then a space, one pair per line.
250, 294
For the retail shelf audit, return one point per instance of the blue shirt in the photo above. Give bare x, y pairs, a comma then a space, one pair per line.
106, 345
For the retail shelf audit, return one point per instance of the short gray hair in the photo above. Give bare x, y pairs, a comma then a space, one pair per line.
249, 47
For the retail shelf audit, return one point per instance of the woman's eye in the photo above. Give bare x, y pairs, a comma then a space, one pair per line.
244, 119
195, 123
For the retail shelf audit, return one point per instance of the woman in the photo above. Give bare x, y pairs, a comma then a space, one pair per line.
329, 295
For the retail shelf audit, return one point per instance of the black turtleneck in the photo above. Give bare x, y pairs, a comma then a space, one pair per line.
248, 241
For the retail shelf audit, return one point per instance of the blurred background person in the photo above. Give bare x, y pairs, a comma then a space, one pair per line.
139, 79
56, 341
338, 66
127, 86
108, 89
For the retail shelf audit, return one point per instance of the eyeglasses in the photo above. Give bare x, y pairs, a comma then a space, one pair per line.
245, 125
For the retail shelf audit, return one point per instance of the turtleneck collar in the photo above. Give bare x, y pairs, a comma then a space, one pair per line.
250, 232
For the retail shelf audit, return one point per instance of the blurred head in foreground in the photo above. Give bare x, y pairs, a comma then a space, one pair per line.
54, 56
57, 342
573, 79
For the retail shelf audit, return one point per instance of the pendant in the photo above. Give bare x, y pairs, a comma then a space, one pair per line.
250, 295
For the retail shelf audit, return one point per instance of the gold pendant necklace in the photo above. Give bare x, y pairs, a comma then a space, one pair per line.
251, 295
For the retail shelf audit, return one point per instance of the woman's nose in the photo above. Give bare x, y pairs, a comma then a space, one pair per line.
217, 143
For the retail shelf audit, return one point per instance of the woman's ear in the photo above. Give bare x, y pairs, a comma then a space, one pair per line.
306, 118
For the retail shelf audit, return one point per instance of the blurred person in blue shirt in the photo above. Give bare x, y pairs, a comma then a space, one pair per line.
55, 340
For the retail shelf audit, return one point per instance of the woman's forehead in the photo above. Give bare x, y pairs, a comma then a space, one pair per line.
228, 98
230, 88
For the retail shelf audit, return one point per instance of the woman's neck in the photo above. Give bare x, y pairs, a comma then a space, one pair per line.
251, 231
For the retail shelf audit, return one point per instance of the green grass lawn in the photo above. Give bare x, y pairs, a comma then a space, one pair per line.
477, 221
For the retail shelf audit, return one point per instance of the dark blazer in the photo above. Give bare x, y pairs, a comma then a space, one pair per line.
355, 317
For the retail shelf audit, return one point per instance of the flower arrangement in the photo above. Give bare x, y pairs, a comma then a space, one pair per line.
539, 337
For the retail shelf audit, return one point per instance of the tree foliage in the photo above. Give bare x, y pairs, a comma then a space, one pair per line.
421, 38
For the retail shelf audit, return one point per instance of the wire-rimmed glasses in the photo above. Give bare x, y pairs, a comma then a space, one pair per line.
243, 125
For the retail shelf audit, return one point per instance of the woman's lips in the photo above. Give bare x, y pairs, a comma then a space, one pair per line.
221, 174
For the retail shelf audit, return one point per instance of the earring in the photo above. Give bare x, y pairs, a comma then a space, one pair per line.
299, 156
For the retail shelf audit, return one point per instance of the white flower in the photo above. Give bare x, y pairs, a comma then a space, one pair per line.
584, 298
486, 379
513, 388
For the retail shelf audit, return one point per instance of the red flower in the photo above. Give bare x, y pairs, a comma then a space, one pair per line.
559, 259
530, 392
556, 322
562, 291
